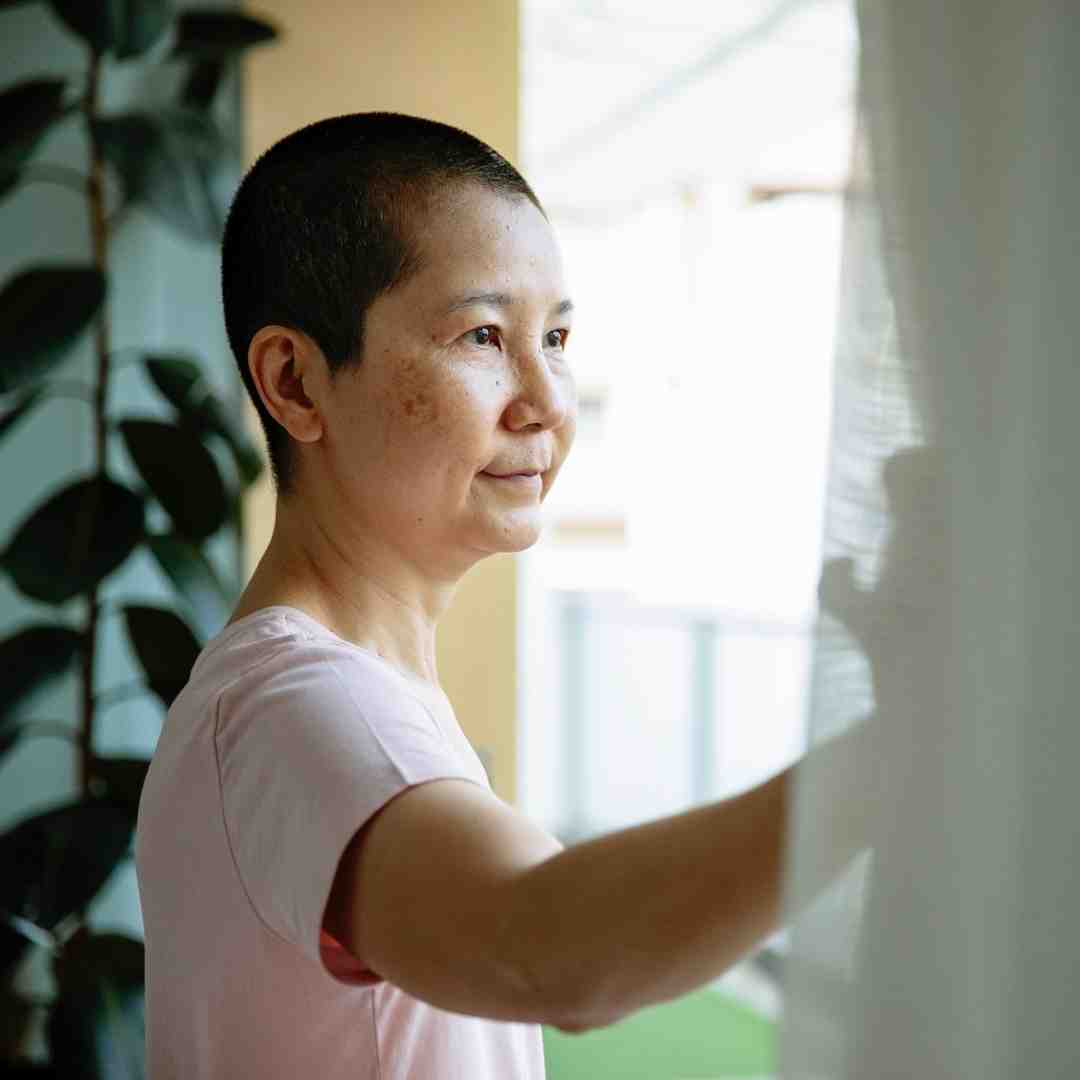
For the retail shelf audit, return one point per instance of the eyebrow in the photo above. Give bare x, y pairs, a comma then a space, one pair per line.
500, 299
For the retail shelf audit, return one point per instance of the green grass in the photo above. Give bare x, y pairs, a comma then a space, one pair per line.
701, 1036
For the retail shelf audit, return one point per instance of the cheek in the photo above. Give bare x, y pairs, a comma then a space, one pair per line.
417, 409
438, 416
412, 401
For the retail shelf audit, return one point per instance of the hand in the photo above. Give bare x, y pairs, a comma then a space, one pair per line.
898, 623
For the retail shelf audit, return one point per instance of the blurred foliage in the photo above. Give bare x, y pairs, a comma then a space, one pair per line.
172, 159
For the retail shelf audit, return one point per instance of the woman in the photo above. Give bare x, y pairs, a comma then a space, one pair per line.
330, 888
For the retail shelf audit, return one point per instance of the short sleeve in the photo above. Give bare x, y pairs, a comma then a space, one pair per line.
309, 746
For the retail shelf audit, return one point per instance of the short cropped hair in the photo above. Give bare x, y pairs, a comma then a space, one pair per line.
325, 221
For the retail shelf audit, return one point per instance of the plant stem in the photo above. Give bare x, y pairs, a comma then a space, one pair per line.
99, 236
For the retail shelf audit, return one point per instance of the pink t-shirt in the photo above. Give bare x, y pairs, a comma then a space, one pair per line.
284, 742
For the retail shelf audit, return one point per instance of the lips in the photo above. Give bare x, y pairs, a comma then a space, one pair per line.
519, 468
531, 482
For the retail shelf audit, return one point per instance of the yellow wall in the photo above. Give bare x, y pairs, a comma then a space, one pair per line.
452, 62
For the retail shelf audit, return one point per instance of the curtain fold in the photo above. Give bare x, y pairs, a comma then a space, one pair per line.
949, 596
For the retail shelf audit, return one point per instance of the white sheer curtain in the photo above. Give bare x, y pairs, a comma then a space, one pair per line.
951, 948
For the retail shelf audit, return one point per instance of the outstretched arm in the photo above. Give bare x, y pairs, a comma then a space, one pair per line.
461, 901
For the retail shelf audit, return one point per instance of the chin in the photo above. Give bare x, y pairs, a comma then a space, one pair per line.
514, 536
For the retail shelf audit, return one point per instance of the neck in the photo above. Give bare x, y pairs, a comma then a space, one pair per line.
359, 588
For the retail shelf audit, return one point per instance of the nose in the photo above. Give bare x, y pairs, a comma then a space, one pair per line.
544, 394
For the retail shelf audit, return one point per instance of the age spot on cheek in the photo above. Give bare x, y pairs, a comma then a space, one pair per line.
411, 400
411, 396
418, 408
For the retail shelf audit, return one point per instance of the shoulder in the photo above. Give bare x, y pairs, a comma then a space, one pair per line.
277, 657
329, 709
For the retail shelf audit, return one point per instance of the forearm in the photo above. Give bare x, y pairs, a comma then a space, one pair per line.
648, 913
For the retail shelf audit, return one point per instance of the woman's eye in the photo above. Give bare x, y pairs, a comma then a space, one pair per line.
484, 335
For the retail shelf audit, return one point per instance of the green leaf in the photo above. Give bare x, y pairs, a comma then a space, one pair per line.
96, 1029
17, 1015
181, 473
180, 381
9, 736
56, 862
165, 646
123, 27
207, 32
27, 111
176, 163
195, 580
202, 83
13, 946
32, 657
249, 462
30, 1070
119, 780
74, 540
16, 412
9, 180
42, 313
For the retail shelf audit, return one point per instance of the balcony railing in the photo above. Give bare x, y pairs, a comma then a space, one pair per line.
641, 705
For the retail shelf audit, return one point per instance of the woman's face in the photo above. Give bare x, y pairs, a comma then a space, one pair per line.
451, 430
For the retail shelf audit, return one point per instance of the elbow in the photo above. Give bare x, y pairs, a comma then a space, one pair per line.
586, 1022
581, 1013
558, 981
572, 1002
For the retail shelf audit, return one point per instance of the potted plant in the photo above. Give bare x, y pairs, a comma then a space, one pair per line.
175, 161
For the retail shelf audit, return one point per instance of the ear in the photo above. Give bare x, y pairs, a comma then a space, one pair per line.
281, 360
